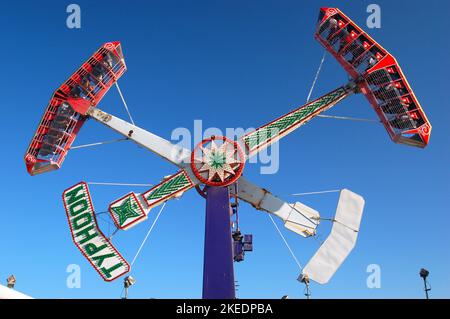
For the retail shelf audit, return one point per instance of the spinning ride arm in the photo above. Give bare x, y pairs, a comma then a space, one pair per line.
297, 217
174, 154
133, 208
270, 133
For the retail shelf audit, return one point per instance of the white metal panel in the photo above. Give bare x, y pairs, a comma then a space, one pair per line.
296, 220
341, 240
350, 208
173, 153
297, 217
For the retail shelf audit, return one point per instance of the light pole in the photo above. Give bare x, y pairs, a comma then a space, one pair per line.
424, 274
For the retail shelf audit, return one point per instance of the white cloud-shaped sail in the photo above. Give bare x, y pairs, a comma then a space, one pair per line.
340, 242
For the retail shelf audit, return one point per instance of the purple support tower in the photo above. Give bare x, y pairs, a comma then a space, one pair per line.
218, 271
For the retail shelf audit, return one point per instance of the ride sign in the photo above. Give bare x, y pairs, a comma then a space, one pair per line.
88, 237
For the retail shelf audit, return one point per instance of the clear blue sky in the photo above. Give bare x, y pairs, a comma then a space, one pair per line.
231, 64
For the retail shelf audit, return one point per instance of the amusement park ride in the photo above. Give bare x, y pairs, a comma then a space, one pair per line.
216, 164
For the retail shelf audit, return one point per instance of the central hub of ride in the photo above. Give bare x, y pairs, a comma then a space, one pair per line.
217, 161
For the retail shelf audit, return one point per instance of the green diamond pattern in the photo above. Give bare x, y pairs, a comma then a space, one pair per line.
265, 133
169, 187
128, 209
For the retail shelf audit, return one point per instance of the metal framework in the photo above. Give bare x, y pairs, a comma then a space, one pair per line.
217, 163
378, 75
65, 114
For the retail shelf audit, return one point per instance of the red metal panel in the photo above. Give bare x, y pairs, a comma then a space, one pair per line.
378, 74
66, 112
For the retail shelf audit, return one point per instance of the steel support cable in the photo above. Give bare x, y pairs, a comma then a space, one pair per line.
317, 193
306, 217
356, 119
116, 140
310, 193
324, 192
99, 143
286, 243
124, 102
148, 233
118, 184
317, 76
333, 220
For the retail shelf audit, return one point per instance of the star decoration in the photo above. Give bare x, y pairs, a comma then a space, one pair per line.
126, 210
218, 161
